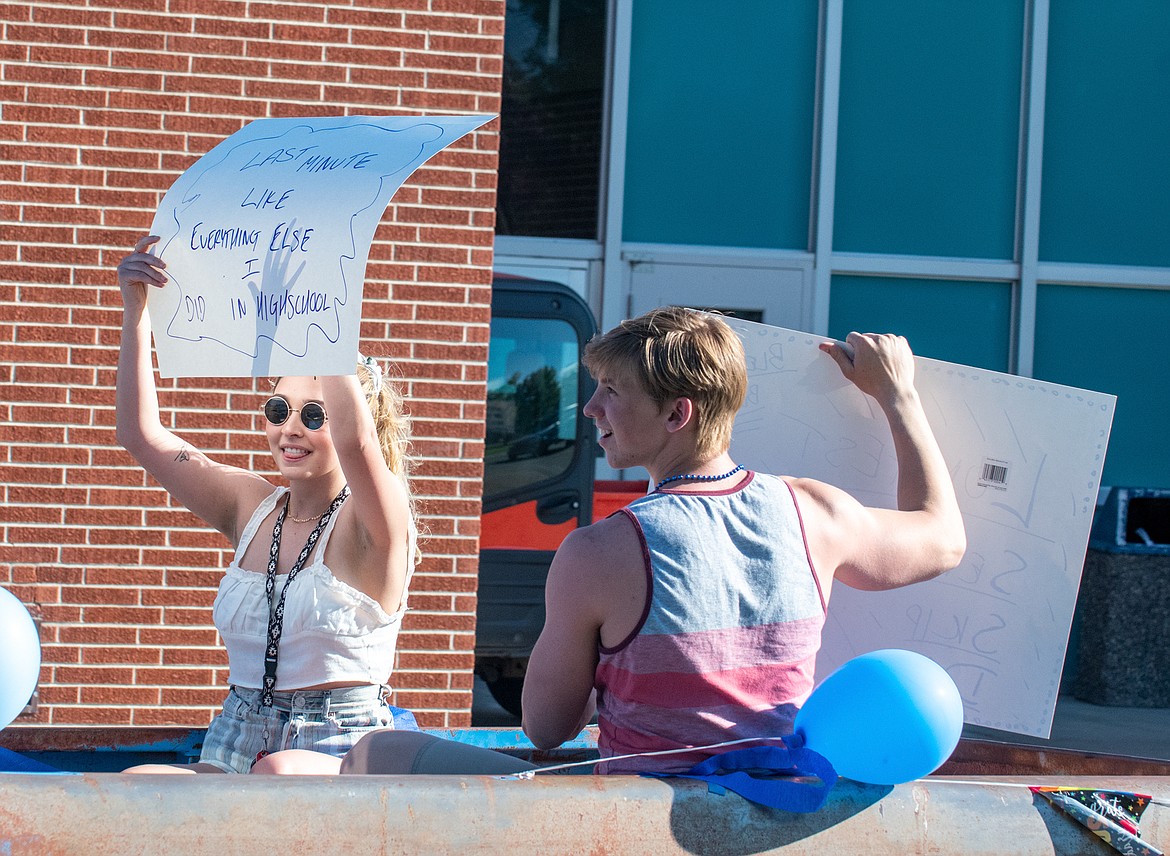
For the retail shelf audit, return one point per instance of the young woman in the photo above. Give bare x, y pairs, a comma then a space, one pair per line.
310, 607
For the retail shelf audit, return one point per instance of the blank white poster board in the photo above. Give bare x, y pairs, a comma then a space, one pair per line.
1026, 459
266, 239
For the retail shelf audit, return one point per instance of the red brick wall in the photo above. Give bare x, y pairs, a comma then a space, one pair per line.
102, 105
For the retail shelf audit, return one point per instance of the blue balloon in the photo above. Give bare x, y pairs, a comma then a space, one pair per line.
20, 657
884, 718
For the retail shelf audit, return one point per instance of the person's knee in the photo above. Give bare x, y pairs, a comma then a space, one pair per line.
356, 760
385, 752
297, 762
414, 752
188, 769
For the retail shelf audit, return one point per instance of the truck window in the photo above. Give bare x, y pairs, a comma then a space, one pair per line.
532, 404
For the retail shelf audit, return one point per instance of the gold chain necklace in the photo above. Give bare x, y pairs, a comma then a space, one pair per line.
306, 519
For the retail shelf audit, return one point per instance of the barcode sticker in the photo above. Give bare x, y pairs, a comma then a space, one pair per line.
995, 474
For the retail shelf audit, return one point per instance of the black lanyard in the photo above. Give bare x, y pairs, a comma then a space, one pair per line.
276, 617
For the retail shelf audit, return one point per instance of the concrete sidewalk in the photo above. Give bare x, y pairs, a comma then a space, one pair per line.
1140, 732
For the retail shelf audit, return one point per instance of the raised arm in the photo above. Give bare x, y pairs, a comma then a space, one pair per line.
877, 548
210, 490
380, 502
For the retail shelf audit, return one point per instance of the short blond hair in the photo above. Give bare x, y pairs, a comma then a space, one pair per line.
676, 352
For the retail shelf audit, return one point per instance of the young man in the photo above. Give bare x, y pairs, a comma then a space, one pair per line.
693, 616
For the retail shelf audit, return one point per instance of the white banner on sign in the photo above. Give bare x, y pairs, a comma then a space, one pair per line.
266, 239
1026, 458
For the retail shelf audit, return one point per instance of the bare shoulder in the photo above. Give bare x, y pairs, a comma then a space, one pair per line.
820, 498
594, 559
835, 524
604, 543
250, 493
222, 495
598, 579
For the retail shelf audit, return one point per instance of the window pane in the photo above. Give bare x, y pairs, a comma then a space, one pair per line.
960, 322
720, 134
928, 137
550, 118
531, 403
1106, 339
1106, 134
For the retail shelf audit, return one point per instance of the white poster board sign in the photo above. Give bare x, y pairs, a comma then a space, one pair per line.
1026, 459
266, 239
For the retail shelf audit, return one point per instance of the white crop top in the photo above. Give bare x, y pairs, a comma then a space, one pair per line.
332, 632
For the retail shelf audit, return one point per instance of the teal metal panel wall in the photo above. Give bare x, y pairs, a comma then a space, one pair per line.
961, 322
929, 127
720, 132
1109, 339
721, 153
1106, 177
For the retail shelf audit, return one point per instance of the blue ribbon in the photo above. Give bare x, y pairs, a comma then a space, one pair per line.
765, 775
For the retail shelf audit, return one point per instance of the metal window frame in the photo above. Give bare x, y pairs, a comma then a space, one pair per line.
611, 257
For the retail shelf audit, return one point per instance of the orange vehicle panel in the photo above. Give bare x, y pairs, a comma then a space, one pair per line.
518, 528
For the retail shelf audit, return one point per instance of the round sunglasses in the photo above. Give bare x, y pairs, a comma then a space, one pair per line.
277, 411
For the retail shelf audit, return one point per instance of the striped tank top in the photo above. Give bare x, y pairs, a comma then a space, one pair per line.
729, 635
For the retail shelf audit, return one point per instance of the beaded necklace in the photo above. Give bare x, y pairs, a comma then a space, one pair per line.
692, 477
276, 612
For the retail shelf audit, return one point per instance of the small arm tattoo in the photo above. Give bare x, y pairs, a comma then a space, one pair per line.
183, 455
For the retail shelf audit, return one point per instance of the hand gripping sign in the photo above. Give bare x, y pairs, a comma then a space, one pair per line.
266, 239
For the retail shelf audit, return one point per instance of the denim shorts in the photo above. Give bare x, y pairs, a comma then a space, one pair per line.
328, 721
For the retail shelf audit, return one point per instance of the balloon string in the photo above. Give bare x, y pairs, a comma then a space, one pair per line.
528, 774
1154, 800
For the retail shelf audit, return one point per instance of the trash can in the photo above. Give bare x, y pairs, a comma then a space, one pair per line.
1123, 609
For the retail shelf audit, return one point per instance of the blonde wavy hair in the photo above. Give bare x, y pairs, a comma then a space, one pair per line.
390, 418
393, 426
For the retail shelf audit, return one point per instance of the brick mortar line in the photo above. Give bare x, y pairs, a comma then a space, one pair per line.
122, 644
232, 96
33, 242
404, 30
194, 17
246, 40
